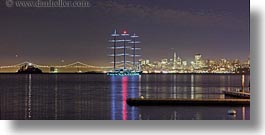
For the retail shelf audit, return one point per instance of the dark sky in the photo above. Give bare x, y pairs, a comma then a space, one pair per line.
215, 28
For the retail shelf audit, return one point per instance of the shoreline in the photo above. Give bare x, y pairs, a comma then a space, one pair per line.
141, 74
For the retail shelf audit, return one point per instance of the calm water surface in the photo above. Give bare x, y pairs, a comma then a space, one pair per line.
101, 97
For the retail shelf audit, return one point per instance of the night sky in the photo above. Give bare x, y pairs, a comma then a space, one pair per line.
215, 28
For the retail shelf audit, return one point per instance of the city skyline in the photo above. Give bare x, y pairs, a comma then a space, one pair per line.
110, 64
52, 36
175, 64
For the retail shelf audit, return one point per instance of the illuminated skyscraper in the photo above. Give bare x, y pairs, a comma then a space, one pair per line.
174, 60
179, 61
199, 62
198, 57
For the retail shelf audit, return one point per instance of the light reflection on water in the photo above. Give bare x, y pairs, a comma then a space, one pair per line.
134, 83
102, 97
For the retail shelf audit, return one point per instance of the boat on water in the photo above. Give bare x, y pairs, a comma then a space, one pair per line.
125, 62
123, 72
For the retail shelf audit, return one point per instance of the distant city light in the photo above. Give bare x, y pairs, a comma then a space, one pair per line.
125, 32
198, 65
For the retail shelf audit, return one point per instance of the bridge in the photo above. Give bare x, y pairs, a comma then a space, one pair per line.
73, 67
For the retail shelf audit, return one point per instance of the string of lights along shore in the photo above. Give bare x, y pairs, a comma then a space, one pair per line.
176, 64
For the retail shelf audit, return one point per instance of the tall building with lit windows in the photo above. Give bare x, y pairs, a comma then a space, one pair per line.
174, 60
179, 61
198, 62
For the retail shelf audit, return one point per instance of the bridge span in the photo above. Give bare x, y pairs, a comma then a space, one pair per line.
76, 67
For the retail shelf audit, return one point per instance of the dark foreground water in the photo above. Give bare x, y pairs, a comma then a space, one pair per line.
101, 97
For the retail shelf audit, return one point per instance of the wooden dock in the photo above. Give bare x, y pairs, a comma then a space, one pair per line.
241, 95
191, 102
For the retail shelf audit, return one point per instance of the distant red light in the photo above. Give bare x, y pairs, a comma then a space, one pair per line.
125, 32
